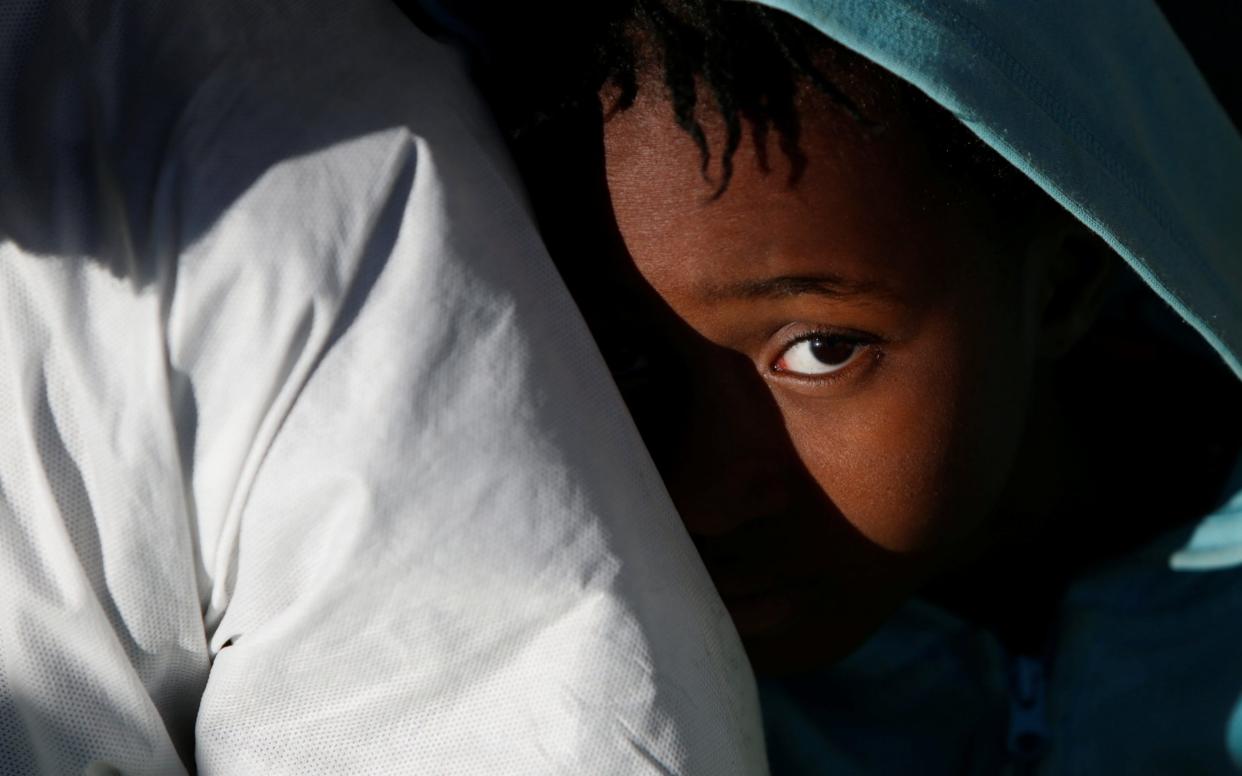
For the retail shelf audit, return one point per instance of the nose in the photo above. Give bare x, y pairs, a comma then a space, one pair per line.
718, 491
734, 462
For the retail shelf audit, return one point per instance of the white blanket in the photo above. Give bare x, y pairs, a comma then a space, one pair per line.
307, 461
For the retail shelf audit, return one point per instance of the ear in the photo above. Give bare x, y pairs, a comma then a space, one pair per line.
1073, 267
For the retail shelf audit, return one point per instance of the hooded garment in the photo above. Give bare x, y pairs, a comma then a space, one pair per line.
1102, 107
308, 463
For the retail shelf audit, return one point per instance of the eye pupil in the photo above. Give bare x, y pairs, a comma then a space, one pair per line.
819, 355
832, 351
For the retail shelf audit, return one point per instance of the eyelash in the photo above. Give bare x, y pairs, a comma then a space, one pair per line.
865, 342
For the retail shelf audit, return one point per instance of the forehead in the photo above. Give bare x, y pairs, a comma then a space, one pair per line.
868, 207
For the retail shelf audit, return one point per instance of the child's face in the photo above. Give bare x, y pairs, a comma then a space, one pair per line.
859, 358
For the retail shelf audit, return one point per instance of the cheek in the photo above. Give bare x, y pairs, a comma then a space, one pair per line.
916, 461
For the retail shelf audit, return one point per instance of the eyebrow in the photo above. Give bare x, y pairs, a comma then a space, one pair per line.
832, 286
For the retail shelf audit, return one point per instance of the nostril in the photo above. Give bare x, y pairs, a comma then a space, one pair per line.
712, 512
708, 522
741, 543
719, 489
711, 547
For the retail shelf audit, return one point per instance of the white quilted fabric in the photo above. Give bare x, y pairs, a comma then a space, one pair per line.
307, 462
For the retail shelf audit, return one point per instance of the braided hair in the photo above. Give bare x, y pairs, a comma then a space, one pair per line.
749, 57
748, 64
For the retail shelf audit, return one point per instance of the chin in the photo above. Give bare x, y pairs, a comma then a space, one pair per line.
812, 636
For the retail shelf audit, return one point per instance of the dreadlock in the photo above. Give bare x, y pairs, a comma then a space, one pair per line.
746, 62
749, 57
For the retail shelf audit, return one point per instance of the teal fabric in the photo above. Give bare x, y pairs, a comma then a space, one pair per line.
1101, 106
1217, 541
1145, 677
1099, 103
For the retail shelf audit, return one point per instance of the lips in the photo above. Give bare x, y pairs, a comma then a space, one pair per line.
736, 582
754, 615
758, 599
745, 567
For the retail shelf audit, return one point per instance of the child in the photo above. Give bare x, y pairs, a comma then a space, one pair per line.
914, 413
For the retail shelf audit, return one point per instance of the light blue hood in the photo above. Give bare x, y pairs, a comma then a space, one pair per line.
1100, 104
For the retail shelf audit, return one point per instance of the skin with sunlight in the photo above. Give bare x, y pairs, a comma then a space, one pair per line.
862, 352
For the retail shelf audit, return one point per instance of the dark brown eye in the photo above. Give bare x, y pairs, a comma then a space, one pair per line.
819, 355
